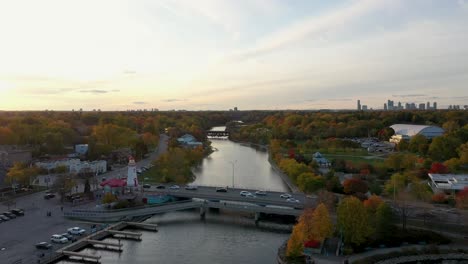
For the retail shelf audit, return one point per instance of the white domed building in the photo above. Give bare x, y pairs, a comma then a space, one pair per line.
406, 132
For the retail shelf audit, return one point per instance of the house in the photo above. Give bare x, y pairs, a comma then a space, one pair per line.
190, 141
448, 183
321, 161
186, 139
75, 165
81, 149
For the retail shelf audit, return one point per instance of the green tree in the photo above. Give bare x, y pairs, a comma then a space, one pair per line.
384, 221
418, 144
353, 221
442, 148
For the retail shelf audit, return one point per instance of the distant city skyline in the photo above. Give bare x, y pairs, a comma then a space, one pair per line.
217, 54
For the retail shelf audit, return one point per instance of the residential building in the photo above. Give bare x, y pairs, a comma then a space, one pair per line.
81, 149
75, 165
321, 161
188, 140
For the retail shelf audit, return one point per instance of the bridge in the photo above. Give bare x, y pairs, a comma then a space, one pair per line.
211, 133
203, 198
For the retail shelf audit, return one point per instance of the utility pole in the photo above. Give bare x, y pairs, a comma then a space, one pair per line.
233, 163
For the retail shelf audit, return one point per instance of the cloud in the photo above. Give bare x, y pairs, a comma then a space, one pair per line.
312, 26
408, 95
95, 91
173, 100
98, 91
339, 99
139, 103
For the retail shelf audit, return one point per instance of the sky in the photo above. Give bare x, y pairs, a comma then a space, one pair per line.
217, 54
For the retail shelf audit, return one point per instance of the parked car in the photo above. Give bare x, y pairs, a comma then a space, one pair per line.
48, 196
174, 187
285, 195
160, 187
9, 215
221, 189
69, 237
4, 217
58, 239
43, 245
18, 212
191, 187
76, 231
146, 186
259, 192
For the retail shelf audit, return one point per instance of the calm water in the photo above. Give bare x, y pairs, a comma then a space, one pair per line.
223, 237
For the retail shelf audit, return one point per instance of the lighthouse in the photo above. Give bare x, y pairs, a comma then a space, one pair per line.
132, 180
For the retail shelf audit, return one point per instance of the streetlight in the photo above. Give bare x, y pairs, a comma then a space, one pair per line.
233, 163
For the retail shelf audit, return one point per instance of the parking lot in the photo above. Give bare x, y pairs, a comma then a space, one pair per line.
19, 235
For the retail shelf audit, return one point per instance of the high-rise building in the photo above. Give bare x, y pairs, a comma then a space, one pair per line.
399, 106
359, 105
364, 107
422, 106
428, 106
385, 106
435, 105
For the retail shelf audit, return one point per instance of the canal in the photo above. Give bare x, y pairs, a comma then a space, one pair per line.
222, 237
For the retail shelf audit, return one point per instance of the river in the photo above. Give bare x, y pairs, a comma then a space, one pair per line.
222, 237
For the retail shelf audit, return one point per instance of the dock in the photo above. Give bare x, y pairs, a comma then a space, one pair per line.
82, 256
107, 245
144, 226
126, 234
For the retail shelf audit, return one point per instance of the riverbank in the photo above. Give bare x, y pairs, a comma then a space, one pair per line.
291, 186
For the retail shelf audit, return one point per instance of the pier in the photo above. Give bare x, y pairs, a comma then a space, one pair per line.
82, 256
126, 234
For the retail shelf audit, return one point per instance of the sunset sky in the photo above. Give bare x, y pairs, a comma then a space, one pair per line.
215, 54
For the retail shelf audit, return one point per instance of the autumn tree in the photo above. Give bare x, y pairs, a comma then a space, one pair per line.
63, 185
20, 173
438, 167
309, 182
295, 245
353, 221
462, 199
355, 185
418, 144
322, 227
372, 203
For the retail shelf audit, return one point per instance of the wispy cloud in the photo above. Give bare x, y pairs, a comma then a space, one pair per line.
312, 26
408, 95
139, 103
94, 91
171, 100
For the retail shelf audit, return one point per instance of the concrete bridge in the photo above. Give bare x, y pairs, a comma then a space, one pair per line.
202, 205
211, 133
203, 198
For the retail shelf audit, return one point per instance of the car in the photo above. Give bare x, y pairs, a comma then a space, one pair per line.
249, 195
139, 171
18, 212
76, 231
191, 187
160, 187
292, 200
9, 215
286, 196
221, 189
244, 193
43, 245
4, 217
59, 239
48, 196
146, 186
174, 187
69, 237
260, 192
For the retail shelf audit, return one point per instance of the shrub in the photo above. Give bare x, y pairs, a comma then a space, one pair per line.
439, 198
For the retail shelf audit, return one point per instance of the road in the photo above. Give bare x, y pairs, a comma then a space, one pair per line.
233, 194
